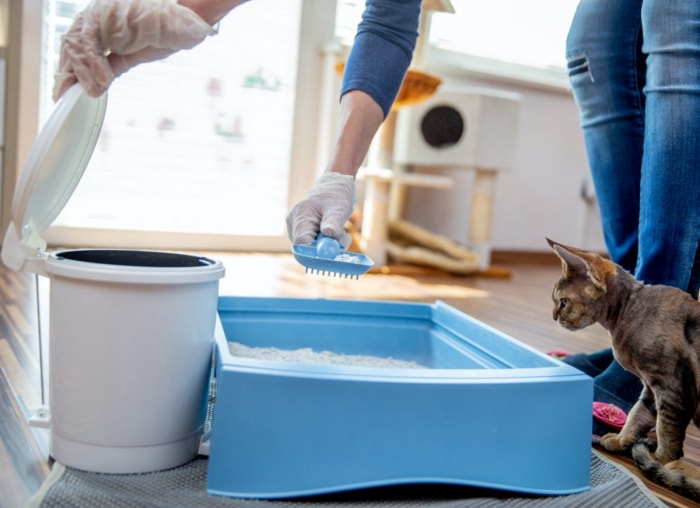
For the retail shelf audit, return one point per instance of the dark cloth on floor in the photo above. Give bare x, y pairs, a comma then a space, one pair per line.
611, 383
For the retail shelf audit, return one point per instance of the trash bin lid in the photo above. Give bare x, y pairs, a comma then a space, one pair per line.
56, 162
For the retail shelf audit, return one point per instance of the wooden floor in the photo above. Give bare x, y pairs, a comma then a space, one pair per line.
515, 298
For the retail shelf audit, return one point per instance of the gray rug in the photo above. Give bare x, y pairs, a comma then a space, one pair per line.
611, 485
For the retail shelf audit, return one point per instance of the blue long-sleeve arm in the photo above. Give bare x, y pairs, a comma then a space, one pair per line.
382, 51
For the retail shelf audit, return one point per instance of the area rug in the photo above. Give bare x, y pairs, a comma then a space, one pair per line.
611, 485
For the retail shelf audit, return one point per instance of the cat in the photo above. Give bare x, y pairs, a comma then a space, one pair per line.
655, 334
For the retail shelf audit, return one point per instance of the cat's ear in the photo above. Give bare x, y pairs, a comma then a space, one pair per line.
571, 261
577, 262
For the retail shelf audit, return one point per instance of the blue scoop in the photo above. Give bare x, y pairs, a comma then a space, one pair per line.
326, 256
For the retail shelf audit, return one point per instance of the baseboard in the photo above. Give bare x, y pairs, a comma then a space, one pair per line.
508, 257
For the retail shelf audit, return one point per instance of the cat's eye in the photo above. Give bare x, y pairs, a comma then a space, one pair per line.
563, 302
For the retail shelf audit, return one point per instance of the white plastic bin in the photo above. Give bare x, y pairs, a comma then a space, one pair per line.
131, 331
131, 338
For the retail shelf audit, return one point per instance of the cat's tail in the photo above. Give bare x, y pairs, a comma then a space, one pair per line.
671, 478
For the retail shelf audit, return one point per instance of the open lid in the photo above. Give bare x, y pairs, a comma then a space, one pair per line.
55, 164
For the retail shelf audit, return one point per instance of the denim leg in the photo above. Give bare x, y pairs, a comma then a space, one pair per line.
606, 70
607, 74
669, 227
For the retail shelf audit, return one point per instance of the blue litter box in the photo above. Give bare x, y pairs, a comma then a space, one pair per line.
486, 410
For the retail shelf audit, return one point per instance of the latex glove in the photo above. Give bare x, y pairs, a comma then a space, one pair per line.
111, 36
325, 208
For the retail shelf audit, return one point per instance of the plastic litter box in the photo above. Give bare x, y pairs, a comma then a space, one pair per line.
131, 332
485, 411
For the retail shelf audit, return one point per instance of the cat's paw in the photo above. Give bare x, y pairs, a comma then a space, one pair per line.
612, 443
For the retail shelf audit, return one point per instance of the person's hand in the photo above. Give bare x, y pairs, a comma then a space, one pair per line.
325, 208
111, 36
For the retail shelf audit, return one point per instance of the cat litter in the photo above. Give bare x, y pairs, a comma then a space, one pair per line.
348, 258
310, 357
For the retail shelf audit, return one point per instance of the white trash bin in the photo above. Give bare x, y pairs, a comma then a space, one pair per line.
131, 331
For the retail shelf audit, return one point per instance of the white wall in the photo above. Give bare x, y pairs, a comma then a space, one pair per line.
540, 197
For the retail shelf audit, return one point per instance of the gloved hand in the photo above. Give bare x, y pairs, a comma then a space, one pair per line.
325, 208
111, 36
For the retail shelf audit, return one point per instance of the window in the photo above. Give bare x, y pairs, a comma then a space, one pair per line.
517, 39
209, 145
526, 33
199, 143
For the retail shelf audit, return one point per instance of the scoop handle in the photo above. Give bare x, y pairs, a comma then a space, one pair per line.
327, 247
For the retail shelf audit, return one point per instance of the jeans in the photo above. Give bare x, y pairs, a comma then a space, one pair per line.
634, 67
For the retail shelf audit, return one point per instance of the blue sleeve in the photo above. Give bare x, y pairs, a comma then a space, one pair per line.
382, 51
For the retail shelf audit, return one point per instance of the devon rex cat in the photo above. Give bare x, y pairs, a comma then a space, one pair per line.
655, 333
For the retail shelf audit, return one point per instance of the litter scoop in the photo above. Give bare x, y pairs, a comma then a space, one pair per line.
326, 256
